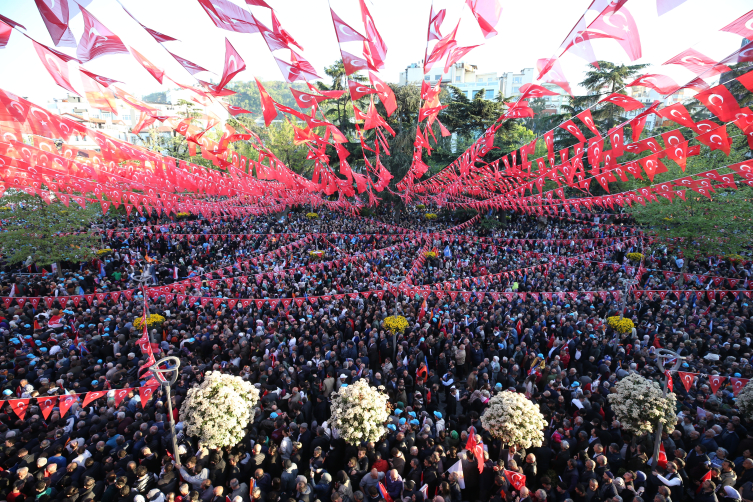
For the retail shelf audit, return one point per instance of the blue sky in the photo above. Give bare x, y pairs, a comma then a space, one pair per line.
529, 30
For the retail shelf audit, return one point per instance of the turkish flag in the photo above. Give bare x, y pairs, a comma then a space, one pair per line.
696, 62
677, 113
670, 384
625, 102
686, 379
738, 384
65, 403
660, 83
587, 119
329, 94
120, 394
662, 460
678, 152
517, 480
55, 17
345, 32
617, 21
234, 64
720, 102
56, 66
159, 37
190, 67
267, 104
228, 16
716, 139
357, 91
653, 166
306, 100
384, 91
104, 81
706, 477
92, 396
353, 63
477, 447
573, 129
715, 381
19, 406
435, 23
146, 392
46, 405
487, 14
742, 26
5, 31
374, 48
97, 40
155, 72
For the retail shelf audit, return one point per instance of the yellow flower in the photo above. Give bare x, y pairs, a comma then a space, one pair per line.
430, 216
636, 257
623, 325
430, 254
154, 320
183, 215
103, 252
395, 324
734, 258
312, 216
420, 206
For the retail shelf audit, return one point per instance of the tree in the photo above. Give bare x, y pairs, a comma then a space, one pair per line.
470, 118
602, 81
36, 229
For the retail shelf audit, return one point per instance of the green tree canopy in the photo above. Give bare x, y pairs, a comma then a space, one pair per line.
34, 228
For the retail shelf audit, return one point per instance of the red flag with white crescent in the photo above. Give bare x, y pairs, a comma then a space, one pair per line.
234, 64
155, 72
686, 379
46, 405
97, 40
120, 394
267, 104
65, 403
715, 381
738, 384
19, 406
145, 393
92, 396
345, 32
517, 480
670, 384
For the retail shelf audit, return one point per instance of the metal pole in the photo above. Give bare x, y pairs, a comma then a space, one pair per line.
166, 386
628, 284
661, 355
166, 383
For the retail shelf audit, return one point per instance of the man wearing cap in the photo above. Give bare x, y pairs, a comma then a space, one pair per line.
607, 490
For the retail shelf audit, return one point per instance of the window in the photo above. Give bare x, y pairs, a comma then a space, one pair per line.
437, 77
427, 77
475, 93
489, 94
457, 79
490, 79
517, 80
516, 89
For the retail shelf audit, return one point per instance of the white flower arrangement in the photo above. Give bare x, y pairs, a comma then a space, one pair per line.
359, 412
744, 402
219, 409
639, 405
514, 419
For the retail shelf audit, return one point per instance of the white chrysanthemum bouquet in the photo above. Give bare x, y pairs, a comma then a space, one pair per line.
219, 409
639, 405
359, 412
514, 419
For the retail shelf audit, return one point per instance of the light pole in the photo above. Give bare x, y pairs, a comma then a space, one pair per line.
662, 355
155, 369
166, 383
628, 284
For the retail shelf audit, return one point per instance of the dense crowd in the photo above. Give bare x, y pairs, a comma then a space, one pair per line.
458, 351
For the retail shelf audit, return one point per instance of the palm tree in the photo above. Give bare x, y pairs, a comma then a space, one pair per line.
604, 80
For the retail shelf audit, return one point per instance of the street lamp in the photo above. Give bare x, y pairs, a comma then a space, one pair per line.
166, 383
662, 357
156, 371
629, 283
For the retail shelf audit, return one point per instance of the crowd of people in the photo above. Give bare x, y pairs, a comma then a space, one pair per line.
463, 345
